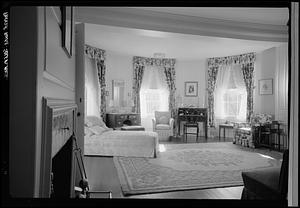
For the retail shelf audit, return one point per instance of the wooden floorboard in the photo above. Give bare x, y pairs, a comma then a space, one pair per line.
102, 176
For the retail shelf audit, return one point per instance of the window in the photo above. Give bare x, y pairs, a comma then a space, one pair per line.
154, 95
230, 95
153, 100
233, 104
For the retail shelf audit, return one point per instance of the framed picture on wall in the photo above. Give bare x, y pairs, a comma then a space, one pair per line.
265, 86
191, 89
67, 26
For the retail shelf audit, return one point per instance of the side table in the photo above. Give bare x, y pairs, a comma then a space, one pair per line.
224, 127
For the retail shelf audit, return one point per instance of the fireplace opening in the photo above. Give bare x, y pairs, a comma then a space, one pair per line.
62, 172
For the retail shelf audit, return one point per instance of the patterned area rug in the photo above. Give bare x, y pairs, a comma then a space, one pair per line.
189, 166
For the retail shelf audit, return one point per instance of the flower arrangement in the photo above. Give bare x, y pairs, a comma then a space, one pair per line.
261, 119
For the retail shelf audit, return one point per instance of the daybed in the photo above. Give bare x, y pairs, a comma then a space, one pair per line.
103, 141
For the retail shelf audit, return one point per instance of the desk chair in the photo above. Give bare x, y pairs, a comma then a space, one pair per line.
191, 122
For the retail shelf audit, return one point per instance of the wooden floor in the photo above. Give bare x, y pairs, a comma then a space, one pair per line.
102, 176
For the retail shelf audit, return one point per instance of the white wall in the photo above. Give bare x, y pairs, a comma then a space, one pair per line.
192, 70
118, 67
59, 71
265, 67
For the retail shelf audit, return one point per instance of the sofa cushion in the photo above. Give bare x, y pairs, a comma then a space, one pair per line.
162, 117
163, 127
163, 120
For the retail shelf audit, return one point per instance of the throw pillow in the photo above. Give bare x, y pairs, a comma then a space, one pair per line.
87, 132
97, 130
88, 123
95, 121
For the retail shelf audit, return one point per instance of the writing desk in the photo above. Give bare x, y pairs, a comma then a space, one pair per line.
200, 114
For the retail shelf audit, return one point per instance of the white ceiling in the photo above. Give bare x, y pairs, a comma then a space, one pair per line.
274, 16
137, 42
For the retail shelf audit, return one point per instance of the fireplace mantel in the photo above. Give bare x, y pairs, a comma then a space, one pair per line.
59, 123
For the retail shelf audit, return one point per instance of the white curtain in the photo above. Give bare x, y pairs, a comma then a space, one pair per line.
230, 95
154, 95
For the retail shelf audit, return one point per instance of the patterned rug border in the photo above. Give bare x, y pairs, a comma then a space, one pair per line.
127, 191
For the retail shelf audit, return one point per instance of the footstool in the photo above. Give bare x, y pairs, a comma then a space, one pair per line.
132, 128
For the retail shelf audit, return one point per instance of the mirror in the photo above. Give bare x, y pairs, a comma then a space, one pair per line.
118, 93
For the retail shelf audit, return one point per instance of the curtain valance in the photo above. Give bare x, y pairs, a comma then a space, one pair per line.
144, 61
94, 53
228, 60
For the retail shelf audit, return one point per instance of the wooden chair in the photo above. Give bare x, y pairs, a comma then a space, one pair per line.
191, 122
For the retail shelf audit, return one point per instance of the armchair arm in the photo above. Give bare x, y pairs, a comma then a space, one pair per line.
153, 123
171, 123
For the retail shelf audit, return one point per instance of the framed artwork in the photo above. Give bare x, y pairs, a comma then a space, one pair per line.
265, 86
191, 89
67, 26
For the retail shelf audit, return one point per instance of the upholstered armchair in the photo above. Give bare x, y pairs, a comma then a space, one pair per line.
163, 125
247, 134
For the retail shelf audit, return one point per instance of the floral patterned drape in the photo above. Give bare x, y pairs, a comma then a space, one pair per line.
169, 71
211, 83
99, 56
247, 64
139, 64
248, 70
138, 72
